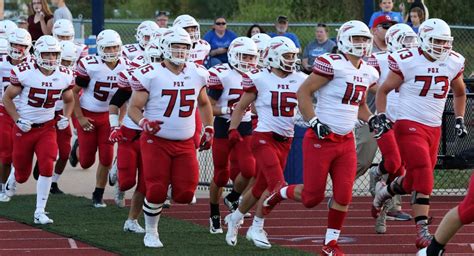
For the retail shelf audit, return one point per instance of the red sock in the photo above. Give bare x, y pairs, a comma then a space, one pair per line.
290, 192
336, 219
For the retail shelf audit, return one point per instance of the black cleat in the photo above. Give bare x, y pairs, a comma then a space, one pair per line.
232, 205
73, 156
55, 189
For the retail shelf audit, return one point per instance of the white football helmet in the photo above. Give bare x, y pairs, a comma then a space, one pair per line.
400, 36
153, 53
435, 29
261, 40
108, 38
184, 21
278, 46
145, 29
240, 46
63, 28
4, 45
158, 33
175, 35
22, 37
6, 27
344, 39
46, 44
68, 52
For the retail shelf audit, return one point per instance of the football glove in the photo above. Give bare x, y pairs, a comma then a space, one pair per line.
234, 137
63, 122
321, 130
115, 134
206, 138
460, 127
150, 127
23, 124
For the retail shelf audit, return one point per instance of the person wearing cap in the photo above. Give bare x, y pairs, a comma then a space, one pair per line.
281, 27
386, 7
161, 18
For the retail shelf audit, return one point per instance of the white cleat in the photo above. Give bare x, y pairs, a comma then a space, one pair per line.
152, 240
10, 186
194, 200
133, 226
113, 173
4, 198
119, 196
422, 252
232, 230
259, 237
42, 218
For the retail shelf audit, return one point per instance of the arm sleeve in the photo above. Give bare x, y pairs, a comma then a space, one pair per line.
120, 97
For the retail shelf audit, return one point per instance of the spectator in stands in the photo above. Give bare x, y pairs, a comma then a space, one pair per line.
322, 44
417, 16
62, 12
281, 27
219, 38
40, 21
413, 3
386, 7
161, 18
254, 29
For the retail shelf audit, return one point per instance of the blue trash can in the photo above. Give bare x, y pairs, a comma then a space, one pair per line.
294, 162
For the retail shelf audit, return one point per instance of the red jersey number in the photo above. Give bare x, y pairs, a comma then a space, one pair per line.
99, 93
280, 104
427, 81
183, 101
354, 94
43, 98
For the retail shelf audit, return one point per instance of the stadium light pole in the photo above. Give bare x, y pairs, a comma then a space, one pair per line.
97, 16
368, 10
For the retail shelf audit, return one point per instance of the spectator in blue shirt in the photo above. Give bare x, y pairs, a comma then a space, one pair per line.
321, 45
417, 16
281, 27
219, 38
386, 7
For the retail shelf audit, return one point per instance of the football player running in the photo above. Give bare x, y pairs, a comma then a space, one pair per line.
38, 85
423, 77
339, 84
163, 104
274, 92
231, 160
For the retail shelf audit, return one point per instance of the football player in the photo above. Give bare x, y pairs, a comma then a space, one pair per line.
97, 77
274, 92
163, 104
39, 85
129, 161
63, 30
339, 83
397, 37
19, 44
261, 40
423, 77
234, 161
145, 32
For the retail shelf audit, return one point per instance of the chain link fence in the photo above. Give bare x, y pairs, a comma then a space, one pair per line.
448, 181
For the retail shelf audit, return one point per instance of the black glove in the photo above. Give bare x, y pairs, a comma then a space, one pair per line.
319, 128
380, 125
460, 128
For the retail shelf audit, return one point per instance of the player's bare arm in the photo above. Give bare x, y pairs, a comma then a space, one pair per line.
205, 108
68, 99
85, 122
364, 112
305, 94
137, 103
459, 93
392, 82
10, 94
239, 110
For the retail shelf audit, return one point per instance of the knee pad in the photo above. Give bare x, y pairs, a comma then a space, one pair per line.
183, 197
20, 178
421, 201
396, 186
156, 193
257, 192
126, 183
247, 167
221, 177
312, 201
86, 162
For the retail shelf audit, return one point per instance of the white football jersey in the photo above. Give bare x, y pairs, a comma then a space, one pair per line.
338, 101
5, 73
276, 99
60, 103
124, 82
138, 61
103, 82
82, 50
130, 51
379, 61
426, 84
172, 98
228, 80
198, 54
40, 92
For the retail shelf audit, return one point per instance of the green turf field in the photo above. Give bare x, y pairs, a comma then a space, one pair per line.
75, 217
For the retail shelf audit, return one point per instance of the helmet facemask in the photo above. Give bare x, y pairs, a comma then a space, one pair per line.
109, 56
47, 63
179, 55
288, 61
17, 53
439, 48
360, 49
245, 61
